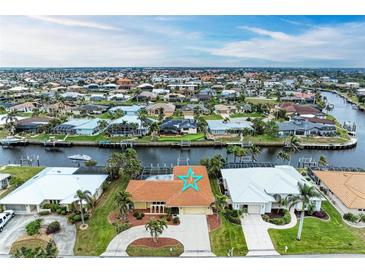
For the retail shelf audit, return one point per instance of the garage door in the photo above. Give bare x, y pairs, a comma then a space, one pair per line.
254, 209
16, 208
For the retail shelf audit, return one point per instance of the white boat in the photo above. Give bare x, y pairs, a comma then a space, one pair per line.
80, 157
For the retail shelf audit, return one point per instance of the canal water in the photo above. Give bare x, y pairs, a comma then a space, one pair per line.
343, 111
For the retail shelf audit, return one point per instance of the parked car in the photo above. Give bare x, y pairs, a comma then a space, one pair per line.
5, 217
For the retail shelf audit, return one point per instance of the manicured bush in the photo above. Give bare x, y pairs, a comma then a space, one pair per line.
362, 218
320, 214
139, 215
59, 210
53, 227
120, 227
63, 212
168, 218
278, 221
76, 218
176, 220
350, 217
33, 227
233, 216
44, 213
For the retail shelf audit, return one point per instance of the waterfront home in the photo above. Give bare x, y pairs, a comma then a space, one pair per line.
168, 109
128, 125
56, 185
127, 110
32, 125
178, 126
303, 127
346, 189
24, 107
300, 110
225, 110
186, 191
146, 96
4, 180
259, 190
233, 126
353, 85
79, 126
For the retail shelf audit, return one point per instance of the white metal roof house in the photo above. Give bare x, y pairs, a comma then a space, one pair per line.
259, 189
52, 185
234, 125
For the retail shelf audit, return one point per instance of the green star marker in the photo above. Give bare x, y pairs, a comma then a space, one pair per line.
186, 177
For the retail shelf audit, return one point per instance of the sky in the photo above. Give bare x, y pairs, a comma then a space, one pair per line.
182, 41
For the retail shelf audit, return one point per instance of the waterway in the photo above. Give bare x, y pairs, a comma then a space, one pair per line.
343, 111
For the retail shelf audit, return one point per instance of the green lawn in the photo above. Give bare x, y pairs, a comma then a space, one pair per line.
256, 100
167, 251
23, 173
213, 117
94, 240
228, 235
321, 237
247, 114
187, 137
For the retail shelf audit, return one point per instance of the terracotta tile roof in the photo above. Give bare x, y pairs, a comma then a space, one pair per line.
300, 109
349, 187
171, 191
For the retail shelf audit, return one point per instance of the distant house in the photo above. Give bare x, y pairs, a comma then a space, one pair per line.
302, 127
205, 95
79, 127
125, 83
57, 108
119, 97
32, 125
161, 91
91, 109
97, 97
225, 110
146, 96
145, 86
168, 109
128, 125
70, 95
233, 126
190, 109
24, 107
229, 94
179, 126
180, 87
4, 180
127, 110
174, 97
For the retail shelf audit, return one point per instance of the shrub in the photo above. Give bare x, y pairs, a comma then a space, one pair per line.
320, 214
53, 227
176, 220
362, 218
44, 213
138, 215
135, 214
76, 218
59, 210
33, 227
350, 217
278, 221
233, 216
121, 227
63, 212
168, 218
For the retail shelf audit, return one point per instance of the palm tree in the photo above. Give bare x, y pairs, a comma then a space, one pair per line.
156, 227
102, 124
82, 196
220, 204
322, 160
255, 151
10, 121
124, 202
240, 152
283, 156
306, 193
114, 163
154, 129
161, 114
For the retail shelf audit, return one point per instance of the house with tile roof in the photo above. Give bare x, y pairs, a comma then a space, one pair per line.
186, 191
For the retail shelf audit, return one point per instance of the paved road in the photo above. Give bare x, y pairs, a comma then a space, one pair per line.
65, 239
256, 234
192, 233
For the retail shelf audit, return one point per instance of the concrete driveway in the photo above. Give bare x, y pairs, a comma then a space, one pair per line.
257, 236
65, 239
192, 233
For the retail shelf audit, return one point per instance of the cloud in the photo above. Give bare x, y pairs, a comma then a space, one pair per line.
72, 22
342, 44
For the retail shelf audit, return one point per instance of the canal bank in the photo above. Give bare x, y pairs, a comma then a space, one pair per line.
343, 111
